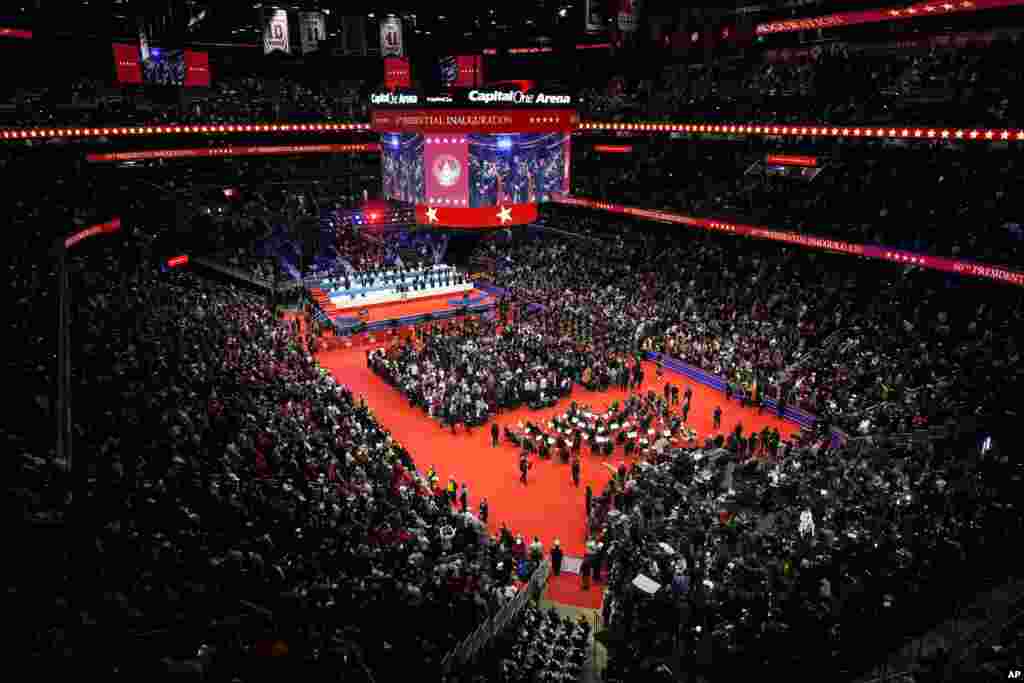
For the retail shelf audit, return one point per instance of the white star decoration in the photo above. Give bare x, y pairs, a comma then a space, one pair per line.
505, 215
431, 214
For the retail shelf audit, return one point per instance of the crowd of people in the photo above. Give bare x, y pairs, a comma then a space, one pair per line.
863, 193
759, 315
230, 475
799, 562
942, 83
90, 102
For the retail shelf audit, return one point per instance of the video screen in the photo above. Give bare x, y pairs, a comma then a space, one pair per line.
164, 67
517, 169
402, 167
474, 170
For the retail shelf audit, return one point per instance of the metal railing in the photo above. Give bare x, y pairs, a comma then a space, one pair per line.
468, 649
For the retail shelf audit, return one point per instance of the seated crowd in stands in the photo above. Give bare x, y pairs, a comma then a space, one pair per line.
933, 200
831, 83
898, 350
221, 452
799, 564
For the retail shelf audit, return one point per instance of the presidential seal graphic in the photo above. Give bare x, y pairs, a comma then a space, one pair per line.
447, 170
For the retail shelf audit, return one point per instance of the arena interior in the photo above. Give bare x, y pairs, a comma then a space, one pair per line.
569, 341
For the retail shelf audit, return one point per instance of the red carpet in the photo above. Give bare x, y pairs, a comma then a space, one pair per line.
568, 590
549, 506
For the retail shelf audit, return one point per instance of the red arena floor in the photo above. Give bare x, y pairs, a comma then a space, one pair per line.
549, 506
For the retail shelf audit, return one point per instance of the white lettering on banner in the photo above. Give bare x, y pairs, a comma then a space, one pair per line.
516, 97
391, 37
394, 98
275, 33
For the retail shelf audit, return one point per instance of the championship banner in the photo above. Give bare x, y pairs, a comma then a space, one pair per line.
312, 31
446, 166
397, 73
391, 37
275, 32
127, 64
627, 19
594, 19
353, 35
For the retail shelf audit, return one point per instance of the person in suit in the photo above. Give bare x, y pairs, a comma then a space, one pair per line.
495, 433
556, 558
576, 471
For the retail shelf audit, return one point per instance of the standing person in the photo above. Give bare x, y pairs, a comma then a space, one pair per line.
484, 510
668, 392
717, 417
453, 489
576, 471
585, 573
464, 498
675, 395
590, 499
494, 434
556, 558
728, 390
686, 410
524, 467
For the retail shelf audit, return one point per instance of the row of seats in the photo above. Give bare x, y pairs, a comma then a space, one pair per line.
392, 295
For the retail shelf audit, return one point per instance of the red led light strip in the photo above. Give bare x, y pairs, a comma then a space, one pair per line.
110, 226
265, 150
134, 131
971, 268
15, 33
917, 10
875, 132
788, 130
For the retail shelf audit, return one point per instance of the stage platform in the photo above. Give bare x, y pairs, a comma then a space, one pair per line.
383, 317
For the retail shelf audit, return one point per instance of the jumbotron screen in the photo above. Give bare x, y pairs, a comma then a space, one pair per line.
474, 170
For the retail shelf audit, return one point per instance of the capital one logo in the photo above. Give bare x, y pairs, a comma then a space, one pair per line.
447, 170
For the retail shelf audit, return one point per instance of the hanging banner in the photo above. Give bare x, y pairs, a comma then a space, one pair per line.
126, 62
594, 20
353, 36
628, 10
275, 32
391, 37
462, 72
397, 73
312, 30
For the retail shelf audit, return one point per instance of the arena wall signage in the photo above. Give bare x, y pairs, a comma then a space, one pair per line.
960, 267
504, 98
264, 150
791, 160
915, 11
474, 120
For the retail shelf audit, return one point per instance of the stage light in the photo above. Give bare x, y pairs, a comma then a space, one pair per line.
505, 143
